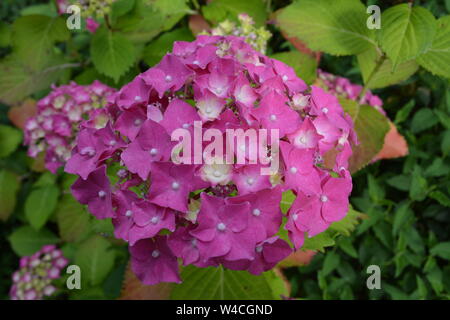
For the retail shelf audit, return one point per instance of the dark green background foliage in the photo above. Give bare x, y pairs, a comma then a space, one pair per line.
407, 200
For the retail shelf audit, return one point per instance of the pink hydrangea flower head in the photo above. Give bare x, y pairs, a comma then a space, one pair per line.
173, 199
33, 280
53, 130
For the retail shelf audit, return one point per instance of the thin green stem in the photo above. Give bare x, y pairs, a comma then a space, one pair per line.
378, 65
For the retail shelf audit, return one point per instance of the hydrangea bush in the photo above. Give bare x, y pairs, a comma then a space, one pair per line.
33, 280
56, 124
213, 213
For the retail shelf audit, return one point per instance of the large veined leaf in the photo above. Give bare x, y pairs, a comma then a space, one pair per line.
437, 58
148, 18
221, 284
40, 204
72, 218
34, 36
25, 240
382, 75
18, 81
305, 66
371, 127
95, 259
219, 10
406, 32
334, 26
112, 53
10, 139
156, 49
134, 289
9, 185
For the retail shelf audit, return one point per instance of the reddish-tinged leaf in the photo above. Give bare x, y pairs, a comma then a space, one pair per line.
19, 114
296, 42
198, 24
133, 289
395, 145
298, 258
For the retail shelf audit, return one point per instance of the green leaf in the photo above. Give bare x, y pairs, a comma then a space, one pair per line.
218, 10
34, 36
25, 240
112, 53
121, 7
156, 49
95, 259
376, 191
17, 81
221, 284
304, 65
445, 144
46, 179
5, 35
287, 199
346, 225
9, 185
346, 245
72, 218
441, 198
404, 112
10, 138
400, 182
419, 186
406, 32
334, 26
423, 120
403, 213
435, 278
46, 9
331, 262
441, 250
371, 127
395, 293
384, 75
437, 58
148, 18
319, 242
40, 204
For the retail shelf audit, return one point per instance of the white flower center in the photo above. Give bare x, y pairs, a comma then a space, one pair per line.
186, 125
89, 151
250, 181
221, 226
102, 194
323, 198
168, 78
175, 185
294, 216
154, 220
153, 151
285, 78
259, 249
129, 213
273, 117
256, 212
137, 98
155, 254
325, 110
137, 122
293, 170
